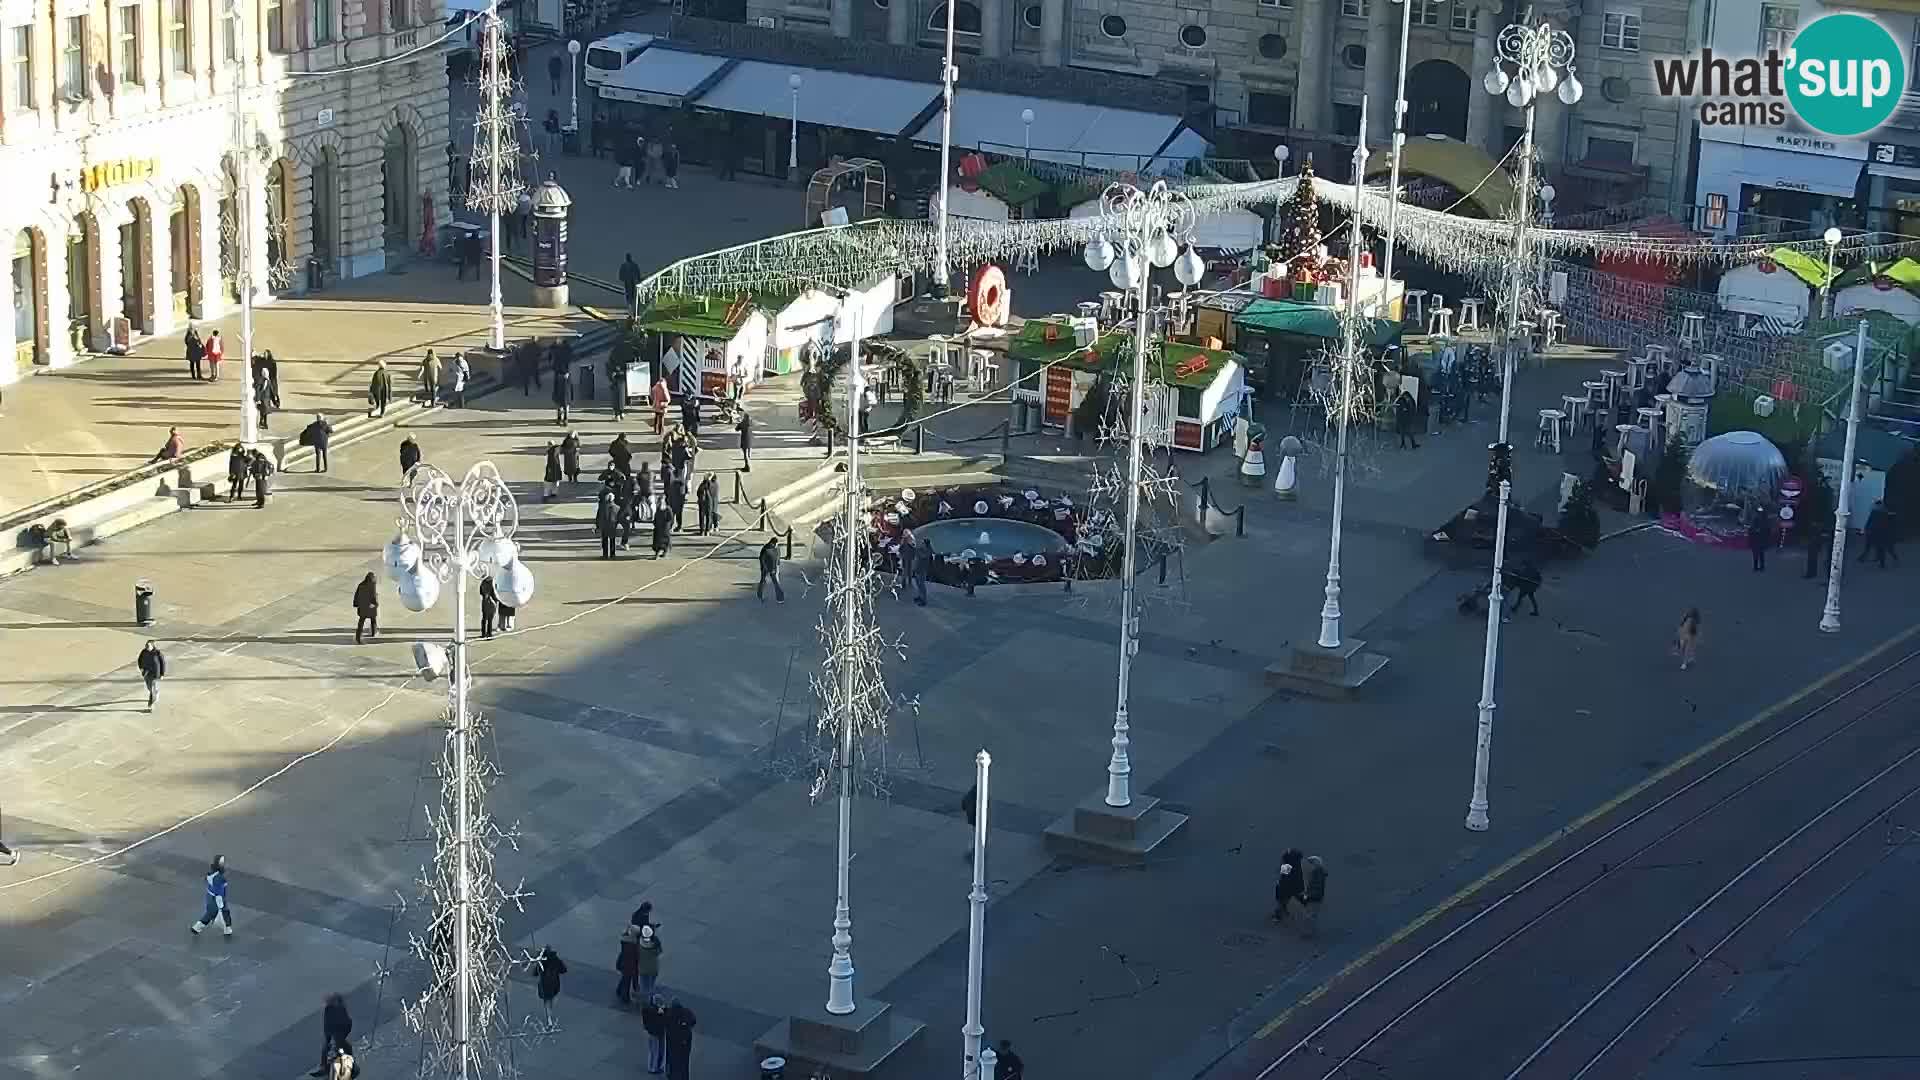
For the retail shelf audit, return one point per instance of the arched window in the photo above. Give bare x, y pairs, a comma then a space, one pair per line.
966, 19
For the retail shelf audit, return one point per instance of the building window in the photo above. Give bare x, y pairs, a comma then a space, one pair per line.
1778, 22
1356, 9
1031, 16
1425, 13
1114, 26
1616, 89
1913, 63
323, 20
73, 58
129, 35
180, 36
1346, 119
1716, 216
21, 63
1270, 110
1283, 5
1271, 46
276, 27
400, 13
1465, 17
230, 39
1193, 35
966, 18
1602, 150
1620, 30
1355, 57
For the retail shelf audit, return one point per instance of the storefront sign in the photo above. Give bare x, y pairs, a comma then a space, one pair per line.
1895, 154
114, 173
643, 97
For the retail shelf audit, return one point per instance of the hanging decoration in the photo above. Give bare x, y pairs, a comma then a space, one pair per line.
988, 299
903, 368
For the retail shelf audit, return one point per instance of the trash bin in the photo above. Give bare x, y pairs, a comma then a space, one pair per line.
773, 1068
143, 604
586, 381
570, 141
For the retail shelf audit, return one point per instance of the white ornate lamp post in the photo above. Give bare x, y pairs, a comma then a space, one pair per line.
1350, 359
793, 132
976, 922
1399, 147
499, 191
1830, 615
840, 997
1026, 120
243, 230
1832, 237
449, 532
1158, 222
949, 74
573, 84
1538, 54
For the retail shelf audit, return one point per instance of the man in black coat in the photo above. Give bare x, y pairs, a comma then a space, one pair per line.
630, 278
707, 498
621, 453
680, 1022
1007, 1064
662, 531
746, 441
770, 571
153, 667
1759, 538
317, 435
261, 470
606, 520
619, 358
409, 455
676, 491
335, 1025
562, 396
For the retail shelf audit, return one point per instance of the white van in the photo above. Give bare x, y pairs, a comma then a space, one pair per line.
607, 56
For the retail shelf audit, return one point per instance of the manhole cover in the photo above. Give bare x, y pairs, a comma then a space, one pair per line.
1245, 941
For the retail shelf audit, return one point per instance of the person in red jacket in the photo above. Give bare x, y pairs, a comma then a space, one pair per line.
216, 350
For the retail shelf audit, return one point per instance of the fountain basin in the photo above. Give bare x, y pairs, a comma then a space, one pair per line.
1004, 538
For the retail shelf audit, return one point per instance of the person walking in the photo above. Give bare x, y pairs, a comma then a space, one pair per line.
409, 455
379, 388
623, 155
606, 523
196, 352
1405, 416
489, 605
551, 126
970, 809
670, 165
653, 1018
620, 453
261, 470
770, 572
317, 435
867, 400
1878, 536
562, 395
663, 526
236, 473
366, 608
647, 951
570, 458
630, 278
170, 450
460, 375
269, 369
676, 491
554, 69
1686, 641
335, 1025
627, 964
430, 380
1313, 893
216, 899
707, 499
680, 1023
1522, 582
153, 667
656, 168
639, 161
1007, 1064
549, 969
550, 479
1759, 536
916, 562
746, 441
1290, 884
216, 351
659, 398
263, 403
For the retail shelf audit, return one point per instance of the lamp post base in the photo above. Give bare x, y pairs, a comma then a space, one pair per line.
1336, 674
852, 1045
1095, 832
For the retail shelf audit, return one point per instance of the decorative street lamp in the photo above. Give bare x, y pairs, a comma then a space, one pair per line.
1538, 54
971, 1034
1830, 615
1349, 360
448, 533
1399, 147
1832, 237
949, 74
793, 133
243, 234
1280, 155
1156, 225
1026, 118
573, 84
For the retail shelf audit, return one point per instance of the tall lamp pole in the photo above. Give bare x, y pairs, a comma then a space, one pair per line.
449, 532
1830, 616
1026, 120
949, 74
501, 189
1156, 223
1280, 155
793, 133
573, 84
1538, 54
976, 921
1350, 359
243, 229
840, 998
1399, 147
1832, 237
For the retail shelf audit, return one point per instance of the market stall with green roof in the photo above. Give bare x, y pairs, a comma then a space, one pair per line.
1893, 288
702, 341
1202, 387
1291, 333
1779, 286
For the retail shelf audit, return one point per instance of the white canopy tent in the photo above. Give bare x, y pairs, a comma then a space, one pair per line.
977, 205
1775, 294
1867, 296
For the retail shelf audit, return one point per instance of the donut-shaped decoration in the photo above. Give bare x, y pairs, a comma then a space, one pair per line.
987, 299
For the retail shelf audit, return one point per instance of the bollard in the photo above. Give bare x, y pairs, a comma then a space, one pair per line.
919, 438
988, 1059
1240, 521
1206, 496
789, 543
1163, 568
773, 1068
1006, 435
143, 604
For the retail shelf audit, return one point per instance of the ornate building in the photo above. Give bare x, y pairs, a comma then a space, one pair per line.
117, 149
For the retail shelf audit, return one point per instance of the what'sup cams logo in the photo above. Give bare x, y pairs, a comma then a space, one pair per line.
1842, 75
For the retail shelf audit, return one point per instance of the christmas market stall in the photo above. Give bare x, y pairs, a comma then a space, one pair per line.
1291, 336
1779, 287
1201, 387
704, 342
815, 318
1884, 287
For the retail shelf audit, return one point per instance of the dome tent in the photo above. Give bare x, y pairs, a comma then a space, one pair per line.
1738, 463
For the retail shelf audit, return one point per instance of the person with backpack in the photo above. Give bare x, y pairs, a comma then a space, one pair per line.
216, 899
261, 470
153, 667
317, 435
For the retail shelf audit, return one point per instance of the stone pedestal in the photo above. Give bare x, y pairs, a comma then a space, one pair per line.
1115, 835
852, 1045
550, 296
1336, 674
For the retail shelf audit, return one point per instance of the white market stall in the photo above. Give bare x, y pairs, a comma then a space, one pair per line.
815, 316
977, 205
703, 342
1878, 295
1766, 290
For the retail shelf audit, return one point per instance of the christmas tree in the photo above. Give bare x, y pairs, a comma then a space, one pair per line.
1578, 520
1301, 234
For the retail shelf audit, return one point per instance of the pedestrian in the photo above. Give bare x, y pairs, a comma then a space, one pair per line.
916, 556
489, 605
1405, 415
507, 612
606, 522
460, 375
269, 369
261, 471
216, 899
1290, 884
335, 1025
647, 951
1007, 1064
379, 388
549, 967
550, 479
570, 458
430, 380
623, 155
630, 277
1686, 641
153, 667
707, 500
670, 165
554, 68
663, 526
746, 441
175, 445
659, 398
236, 472
1522, 582
1313, 893
653, 1018
1879, 535
317, 435
643, 481
263, 402
551, 125
640, 161
620, 453
409, 455
628, 964
867, 401
522, 216
770, 572
216, 351
680, 1022
366, 608
196, 352
562, 395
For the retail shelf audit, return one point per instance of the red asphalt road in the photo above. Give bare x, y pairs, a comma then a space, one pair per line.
1591, 956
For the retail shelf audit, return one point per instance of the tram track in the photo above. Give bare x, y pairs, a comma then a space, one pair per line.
1527, 938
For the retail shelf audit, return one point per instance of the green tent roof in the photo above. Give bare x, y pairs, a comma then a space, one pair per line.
1201, 366
1308, 320
1012, 184
1805, 267
706, 317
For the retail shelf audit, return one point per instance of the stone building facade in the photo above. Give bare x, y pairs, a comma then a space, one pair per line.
117, 137
1257, 72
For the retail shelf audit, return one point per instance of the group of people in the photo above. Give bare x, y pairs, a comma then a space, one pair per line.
439, 383
645, 161
667, 1021
628, 498
245, 465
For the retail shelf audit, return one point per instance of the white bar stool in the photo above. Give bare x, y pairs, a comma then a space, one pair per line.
1575, 407
1636, 373
1549, 438
1470, 314
1417, 305
1440, 324
1615, 381
1693, 330
1657, 359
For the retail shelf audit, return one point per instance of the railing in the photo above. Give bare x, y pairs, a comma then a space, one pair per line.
1002, 431
742, 498
1238, 514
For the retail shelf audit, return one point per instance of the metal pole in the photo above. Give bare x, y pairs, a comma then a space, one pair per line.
573, 86
497, 337
1830, 617
1489, 666
976, 920
1509, 357
1399, 145
793, 133
1330, 612
1120, 765
463, 961
243, 242
943, 274
1826, 287
840, 1000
